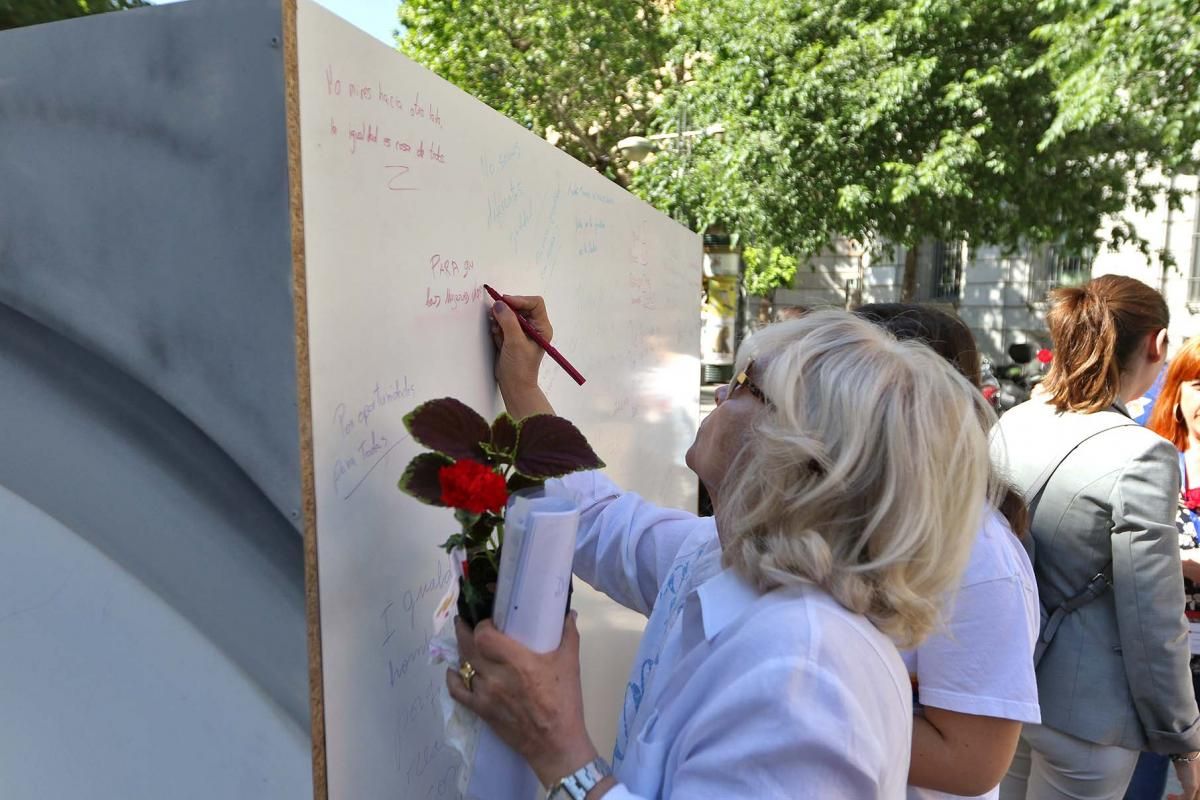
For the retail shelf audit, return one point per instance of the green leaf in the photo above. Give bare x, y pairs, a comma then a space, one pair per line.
466, 518
455, 541
420, 478
33, 12
483, 568
550, 446
1007, 122
768, 271
587, 69
449, 427
474, 603
481, 530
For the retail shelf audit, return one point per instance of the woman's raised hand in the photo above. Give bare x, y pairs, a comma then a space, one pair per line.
519, 357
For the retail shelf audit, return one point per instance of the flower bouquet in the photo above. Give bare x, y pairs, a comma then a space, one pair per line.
473, 467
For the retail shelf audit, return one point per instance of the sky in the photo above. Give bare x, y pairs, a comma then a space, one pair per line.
376, 17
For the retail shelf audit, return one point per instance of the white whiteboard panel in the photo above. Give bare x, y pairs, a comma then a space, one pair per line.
415, 194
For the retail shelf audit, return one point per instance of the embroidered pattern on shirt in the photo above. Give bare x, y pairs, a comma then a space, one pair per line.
672, 594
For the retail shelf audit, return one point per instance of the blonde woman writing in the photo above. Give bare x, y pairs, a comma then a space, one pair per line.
767, 669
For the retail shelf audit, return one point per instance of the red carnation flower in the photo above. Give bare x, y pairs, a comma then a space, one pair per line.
472, 487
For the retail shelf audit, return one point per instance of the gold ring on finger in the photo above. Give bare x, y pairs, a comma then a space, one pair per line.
467, 673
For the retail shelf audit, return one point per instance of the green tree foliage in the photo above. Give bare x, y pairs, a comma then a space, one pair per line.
768, 269
18, 13
894, 120
1122, 64
580, 68
1008, 122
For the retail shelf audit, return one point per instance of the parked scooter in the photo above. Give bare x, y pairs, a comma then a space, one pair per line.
989, 385
1018, 379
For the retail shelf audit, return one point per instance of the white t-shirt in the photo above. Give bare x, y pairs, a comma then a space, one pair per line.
733, 693
982, 663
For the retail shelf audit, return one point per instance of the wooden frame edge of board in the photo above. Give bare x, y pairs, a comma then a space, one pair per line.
312, 599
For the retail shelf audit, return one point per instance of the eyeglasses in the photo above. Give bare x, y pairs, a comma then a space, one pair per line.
743, 379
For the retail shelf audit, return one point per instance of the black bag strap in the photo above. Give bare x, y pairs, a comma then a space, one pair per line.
1097, 586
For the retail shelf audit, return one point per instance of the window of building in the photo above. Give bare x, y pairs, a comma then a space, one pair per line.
1194, 274
946, 278
1057, 267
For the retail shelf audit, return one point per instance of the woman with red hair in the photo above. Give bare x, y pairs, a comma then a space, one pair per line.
1176, 418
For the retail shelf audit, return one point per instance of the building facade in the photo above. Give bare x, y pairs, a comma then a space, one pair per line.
1002, 295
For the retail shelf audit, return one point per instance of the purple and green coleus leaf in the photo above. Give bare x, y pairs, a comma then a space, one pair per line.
420, 478
450, 427
504, 436
550, 446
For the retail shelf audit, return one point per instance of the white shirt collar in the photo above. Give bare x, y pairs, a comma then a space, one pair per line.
723, 598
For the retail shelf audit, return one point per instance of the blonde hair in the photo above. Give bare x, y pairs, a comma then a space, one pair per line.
1096, 328
867, 476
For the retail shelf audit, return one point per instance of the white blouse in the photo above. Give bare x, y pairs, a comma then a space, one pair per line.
733, 693
981, 662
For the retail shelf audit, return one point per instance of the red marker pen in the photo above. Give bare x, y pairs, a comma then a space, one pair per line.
532, 333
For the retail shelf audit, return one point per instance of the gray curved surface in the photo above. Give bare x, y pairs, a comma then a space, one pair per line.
144, 212
149, 454
107, 693
127, 473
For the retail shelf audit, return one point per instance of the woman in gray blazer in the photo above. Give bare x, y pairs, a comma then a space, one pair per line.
1114, 677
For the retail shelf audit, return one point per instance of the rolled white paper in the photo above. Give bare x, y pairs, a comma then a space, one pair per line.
531, 603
